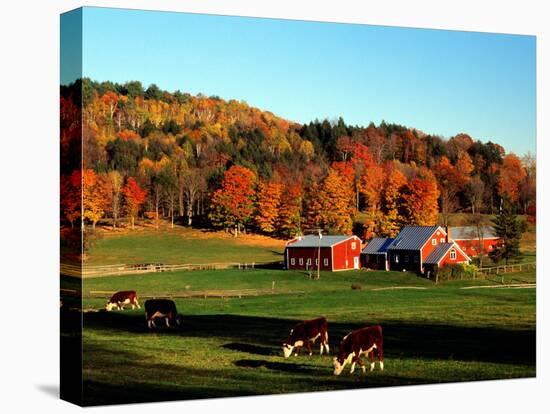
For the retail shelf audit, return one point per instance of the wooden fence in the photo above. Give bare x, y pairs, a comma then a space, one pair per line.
511, 268
133, 269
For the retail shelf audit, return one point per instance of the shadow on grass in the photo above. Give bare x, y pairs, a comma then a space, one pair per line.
276, 366
263, 336
251, 349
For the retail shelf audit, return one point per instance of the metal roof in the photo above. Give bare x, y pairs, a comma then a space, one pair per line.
413, 237
312, 240
470, 233
438, 253
378, 245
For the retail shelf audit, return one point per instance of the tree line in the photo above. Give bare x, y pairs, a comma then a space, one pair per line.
151, 153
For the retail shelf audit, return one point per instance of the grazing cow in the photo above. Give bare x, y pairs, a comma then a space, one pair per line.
363, 341
119, 299
305, 334
161, 308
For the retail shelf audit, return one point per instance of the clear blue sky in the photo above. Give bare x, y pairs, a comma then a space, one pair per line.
441, 82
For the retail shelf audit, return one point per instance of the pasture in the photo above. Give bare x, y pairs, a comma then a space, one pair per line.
230, 346
181, 245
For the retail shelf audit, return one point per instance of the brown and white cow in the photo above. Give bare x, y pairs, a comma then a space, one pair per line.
305, 334
125, 297
363, 341
161, 308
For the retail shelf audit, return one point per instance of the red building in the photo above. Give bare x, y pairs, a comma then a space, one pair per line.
475, 241
444, 253
421, 248
335, 253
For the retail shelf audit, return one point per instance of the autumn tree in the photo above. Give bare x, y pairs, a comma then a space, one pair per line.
420, 202
512, 174
134, 197
289, 220
232, 205
116, 181
269, 200
193, 184
475, 191
71, 196
528, 186
452, 179
337, 198
391, 198
95, 196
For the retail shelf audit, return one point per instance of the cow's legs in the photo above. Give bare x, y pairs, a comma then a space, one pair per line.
356, 360
137, 303
381, 358
308, 344
372, 359
167, 319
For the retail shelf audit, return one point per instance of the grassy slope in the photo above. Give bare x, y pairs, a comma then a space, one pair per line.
231, 346
182, 245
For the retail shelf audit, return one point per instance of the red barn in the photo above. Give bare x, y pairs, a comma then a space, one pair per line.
413, 245
445, 253
474, 241
335, 253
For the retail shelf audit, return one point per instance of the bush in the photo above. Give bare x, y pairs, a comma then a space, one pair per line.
457, 271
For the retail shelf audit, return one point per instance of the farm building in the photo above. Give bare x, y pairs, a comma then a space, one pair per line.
375, 254
444, 253
413, 245
335, 253
474, 241
416, 248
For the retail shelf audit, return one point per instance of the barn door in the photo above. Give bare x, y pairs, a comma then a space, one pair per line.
356, 263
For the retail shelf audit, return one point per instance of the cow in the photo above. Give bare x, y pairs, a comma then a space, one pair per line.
363, 341
161, 308
305, 334
119, 299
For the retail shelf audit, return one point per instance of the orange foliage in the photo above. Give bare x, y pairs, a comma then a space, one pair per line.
269, 199
95, 196
134, 197
511, 175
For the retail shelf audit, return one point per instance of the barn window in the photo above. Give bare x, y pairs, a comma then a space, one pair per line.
406, 258
293, 261
316, 262
396, 258
353, 246
301, 261
442, 240
434, 242
453, 254
326, 262
415, 259
490, 247
309, 261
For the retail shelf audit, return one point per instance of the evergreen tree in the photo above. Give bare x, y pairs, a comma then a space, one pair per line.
509, 229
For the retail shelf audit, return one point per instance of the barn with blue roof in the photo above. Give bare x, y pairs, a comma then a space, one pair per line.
415, 248
375, 254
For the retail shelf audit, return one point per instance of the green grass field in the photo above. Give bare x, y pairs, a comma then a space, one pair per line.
182, 245
231, 346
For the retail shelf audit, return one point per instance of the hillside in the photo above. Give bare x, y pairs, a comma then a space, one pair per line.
224, 164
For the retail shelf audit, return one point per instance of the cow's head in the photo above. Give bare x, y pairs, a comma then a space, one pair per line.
287, 349
340, 362
338, 367
109, 306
